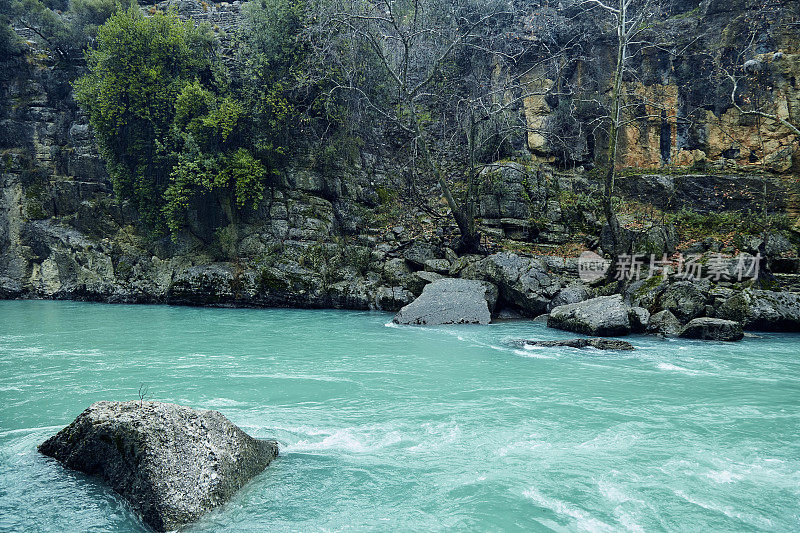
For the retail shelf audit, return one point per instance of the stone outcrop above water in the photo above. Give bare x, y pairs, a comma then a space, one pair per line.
571, 294
598, 343
523, 282
639, 317
663, 323
172, 463
712, 329
450, 301
684, 299
604, 316
763, 310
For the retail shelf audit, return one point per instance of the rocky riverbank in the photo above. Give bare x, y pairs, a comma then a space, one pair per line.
356, 235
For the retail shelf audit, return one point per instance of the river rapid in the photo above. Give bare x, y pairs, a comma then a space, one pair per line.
388, 428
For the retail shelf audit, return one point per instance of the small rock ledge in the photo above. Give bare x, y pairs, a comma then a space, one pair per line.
597, 343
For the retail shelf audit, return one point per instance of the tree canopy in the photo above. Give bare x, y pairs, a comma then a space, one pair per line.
176, 128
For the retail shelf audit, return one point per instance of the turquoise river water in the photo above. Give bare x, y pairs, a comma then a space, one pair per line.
386, 428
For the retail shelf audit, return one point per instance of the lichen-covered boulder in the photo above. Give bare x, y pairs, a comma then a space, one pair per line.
685, 299
419, 252
524, 282
659, 239
450, 301
573, 293
639, 317
712, 329
440, 266
763, 310
663, 323
416, 281
172, 463
604, 316
646, 292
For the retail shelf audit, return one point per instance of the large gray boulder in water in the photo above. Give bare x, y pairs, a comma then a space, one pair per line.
571, 294
450, 301
171, 463
712, 329
664, 323
605, 316
685, 300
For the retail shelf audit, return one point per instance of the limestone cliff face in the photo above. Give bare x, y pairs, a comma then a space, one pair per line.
726, 134
63, 234
679, 96
322, 237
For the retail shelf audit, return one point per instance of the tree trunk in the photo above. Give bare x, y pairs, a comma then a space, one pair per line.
613, 136
464, 217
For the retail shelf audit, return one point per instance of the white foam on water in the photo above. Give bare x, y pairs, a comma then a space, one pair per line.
224, 402
29, 350
611, 492
339, 440
344, 440
723, 476
498, 348
629, 522
302, 377
675, 368
522, 446
437, 435
534, 353
583, 520
24, 431
726, 510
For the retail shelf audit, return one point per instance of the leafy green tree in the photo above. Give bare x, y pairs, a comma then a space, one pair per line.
9, 41
65, 27
86, 16
41, 18
139, 68
271, 58
175, 133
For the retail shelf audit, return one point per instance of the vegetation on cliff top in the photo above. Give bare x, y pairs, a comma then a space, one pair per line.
177, 130
194, 131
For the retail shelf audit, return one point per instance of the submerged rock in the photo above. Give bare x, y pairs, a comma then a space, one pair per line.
172, 463
604, 316
600, 344
450, 301
712, 329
